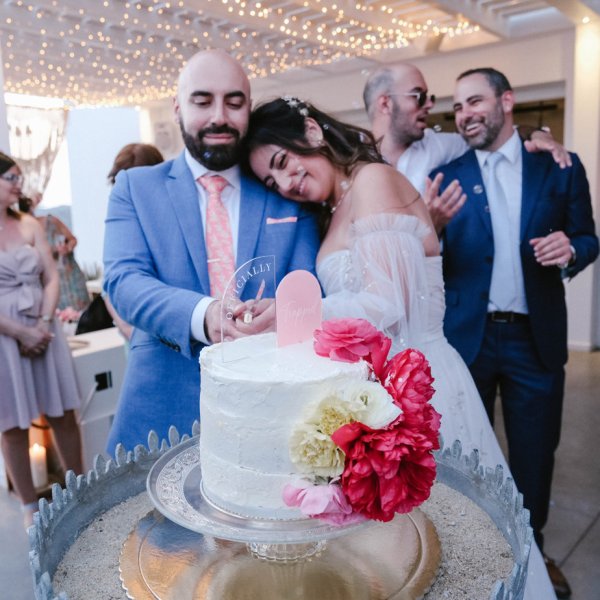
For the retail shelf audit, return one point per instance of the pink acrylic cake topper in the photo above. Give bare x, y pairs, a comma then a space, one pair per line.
298, 299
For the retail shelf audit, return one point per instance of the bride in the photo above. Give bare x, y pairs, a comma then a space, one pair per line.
379, 258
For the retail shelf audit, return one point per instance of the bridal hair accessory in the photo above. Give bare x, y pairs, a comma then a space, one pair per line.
296, 103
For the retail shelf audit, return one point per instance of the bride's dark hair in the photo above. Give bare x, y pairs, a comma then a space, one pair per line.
281, 122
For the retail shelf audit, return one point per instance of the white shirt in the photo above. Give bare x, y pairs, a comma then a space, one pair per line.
424, 155
509, 173
230, 196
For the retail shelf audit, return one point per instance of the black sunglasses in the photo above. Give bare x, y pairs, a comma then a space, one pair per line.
420, 96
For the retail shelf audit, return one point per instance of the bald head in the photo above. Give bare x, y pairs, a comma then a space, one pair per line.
397, 104
385, 80
212, 108
202, 64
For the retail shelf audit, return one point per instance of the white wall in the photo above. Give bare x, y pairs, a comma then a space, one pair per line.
95, 136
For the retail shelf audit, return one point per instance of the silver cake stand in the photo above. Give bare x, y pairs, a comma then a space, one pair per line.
190, 549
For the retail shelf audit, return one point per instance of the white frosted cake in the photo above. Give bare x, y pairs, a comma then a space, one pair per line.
248, 409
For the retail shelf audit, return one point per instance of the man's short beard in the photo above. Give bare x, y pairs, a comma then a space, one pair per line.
492, 127
215, 157
402, 133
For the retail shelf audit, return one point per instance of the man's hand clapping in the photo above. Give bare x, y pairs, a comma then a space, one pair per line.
442, 207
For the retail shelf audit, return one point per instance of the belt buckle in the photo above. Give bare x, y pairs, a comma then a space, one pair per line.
501, 317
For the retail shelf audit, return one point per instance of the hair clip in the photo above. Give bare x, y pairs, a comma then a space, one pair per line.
296, 103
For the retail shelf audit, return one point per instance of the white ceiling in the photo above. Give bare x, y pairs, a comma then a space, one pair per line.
130, 51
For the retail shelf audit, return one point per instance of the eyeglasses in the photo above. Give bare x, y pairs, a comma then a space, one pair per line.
420, 96
12, 178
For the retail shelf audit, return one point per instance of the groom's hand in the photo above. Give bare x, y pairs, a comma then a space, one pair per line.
213, 323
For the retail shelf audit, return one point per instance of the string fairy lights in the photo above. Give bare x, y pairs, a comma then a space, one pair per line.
115, 52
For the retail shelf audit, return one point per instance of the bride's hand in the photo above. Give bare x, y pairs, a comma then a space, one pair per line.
443, 207
255, 316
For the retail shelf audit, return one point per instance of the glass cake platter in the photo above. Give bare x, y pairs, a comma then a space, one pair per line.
188, 549
174, 486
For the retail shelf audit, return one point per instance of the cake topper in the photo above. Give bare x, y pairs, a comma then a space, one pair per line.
299, 305
251, 282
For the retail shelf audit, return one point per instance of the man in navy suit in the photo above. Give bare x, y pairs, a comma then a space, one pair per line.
524, 227
156, 263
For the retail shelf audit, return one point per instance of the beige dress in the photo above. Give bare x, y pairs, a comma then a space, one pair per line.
30, 386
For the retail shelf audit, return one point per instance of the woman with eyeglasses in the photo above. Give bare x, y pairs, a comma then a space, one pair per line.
36, 369
380, 256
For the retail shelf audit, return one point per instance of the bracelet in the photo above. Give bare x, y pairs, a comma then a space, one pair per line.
46, 318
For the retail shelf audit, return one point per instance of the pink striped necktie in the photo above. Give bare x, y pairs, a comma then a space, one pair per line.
219, 241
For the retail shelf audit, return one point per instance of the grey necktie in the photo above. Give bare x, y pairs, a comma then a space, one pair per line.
502, 289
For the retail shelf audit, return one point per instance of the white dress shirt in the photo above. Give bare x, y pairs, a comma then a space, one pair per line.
424, 155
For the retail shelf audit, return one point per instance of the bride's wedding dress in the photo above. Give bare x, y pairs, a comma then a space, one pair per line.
385, 277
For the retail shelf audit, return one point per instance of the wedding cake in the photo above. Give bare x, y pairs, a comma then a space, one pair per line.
249, 407
327, 428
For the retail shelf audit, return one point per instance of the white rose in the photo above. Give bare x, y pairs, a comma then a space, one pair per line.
371, 404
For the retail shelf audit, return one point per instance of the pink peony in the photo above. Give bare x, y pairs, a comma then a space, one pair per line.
407, 378
387, 471
349, 340
325, 502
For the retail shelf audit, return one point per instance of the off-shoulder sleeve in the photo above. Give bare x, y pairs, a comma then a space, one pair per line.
389, 278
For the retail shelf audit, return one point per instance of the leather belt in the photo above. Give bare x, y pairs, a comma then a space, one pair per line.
507, 317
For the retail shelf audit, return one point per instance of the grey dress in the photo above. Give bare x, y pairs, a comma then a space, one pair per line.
30, 386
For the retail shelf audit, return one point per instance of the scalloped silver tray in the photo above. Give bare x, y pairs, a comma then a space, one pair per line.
174, 483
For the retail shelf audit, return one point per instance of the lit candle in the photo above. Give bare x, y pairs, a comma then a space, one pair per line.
39, 469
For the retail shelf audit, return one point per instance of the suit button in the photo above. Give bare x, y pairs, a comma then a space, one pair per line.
176, 348
484, 295
489, 260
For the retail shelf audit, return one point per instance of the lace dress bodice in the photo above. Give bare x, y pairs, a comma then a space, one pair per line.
385, 277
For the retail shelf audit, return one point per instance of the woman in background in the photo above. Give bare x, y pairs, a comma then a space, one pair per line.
73, 290
131, 155
36, 368
135, 155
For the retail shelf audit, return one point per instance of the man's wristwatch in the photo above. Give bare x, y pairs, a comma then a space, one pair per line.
570, 262
46, 318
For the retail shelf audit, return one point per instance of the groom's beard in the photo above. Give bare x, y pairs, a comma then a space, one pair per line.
215, 157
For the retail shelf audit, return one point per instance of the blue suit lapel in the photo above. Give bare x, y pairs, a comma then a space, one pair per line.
535, 168
253, 202
183, 196
469, 176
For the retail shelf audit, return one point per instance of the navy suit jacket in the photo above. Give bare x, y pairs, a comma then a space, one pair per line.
553, 199
156, 273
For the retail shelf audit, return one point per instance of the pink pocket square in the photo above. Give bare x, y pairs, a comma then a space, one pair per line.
272, 221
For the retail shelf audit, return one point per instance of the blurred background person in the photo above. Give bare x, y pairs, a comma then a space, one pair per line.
73, 289
131, 155
36, 368
135, 155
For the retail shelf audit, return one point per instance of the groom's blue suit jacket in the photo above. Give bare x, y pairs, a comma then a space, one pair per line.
553, 199
156, 273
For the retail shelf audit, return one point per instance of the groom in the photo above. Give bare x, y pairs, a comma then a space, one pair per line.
169, 226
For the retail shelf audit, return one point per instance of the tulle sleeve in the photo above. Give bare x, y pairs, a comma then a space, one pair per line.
387, 281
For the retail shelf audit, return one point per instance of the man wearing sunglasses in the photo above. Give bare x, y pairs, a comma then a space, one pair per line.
398, 102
